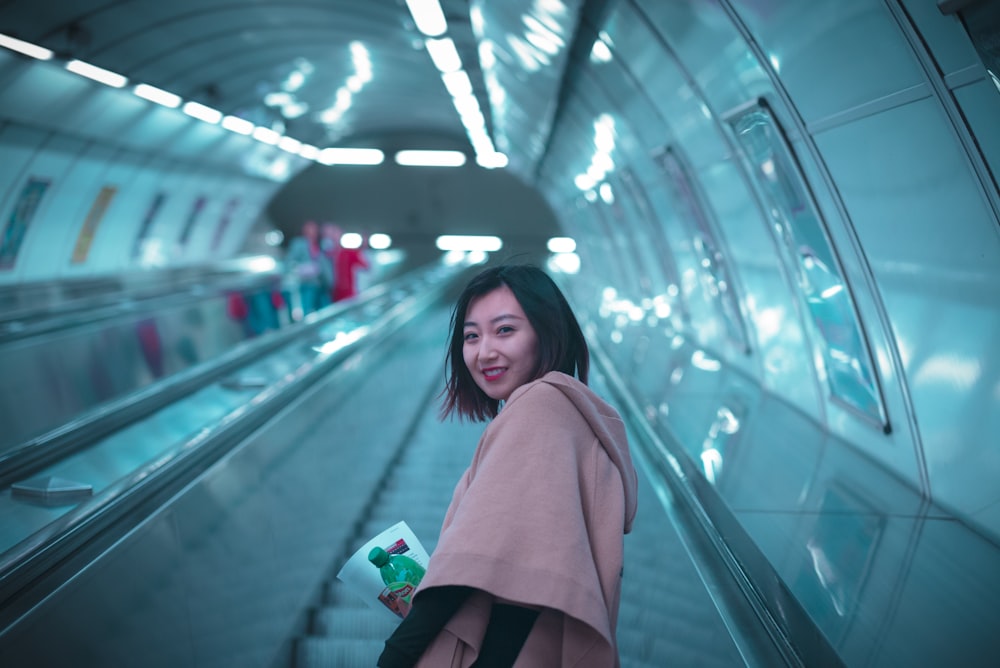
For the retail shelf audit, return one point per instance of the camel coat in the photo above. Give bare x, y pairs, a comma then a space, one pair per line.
538, 519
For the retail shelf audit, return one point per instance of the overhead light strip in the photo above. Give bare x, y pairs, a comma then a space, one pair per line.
431, 22
458, 242
238, 125
153, 94
412, 158
351, 156
26, 48
447, 60
201, 112
444, 54
99, 74
428, 17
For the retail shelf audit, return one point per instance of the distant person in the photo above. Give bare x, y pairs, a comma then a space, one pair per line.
349, 260
308, 271
329, 243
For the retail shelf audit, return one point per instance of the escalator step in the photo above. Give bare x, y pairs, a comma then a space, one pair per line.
359, 623
316, 652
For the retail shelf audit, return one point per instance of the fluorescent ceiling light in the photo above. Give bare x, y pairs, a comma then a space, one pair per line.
351, 156
266, 135
430, 158
28, 49
239, 125
561, 245
147, 92
466, 104
428, 16
351, 240
201, 112
457, 83
472, 119
479, 137
290, 144
458, 242
492, 159
379, 241
309, 152
98, 74
444, 54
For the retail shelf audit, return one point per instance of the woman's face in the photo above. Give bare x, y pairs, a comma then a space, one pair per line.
500, 346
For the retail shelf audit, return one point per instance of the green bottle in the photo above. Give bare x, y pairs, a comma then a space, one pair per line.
401, 575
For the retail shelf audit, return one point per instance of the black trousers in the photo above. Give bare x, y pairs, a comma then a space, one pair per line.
508, 628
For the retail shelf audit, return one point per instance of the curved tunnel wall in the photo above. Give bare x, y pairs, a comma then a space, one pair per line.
892, 153
889, 155
95, 181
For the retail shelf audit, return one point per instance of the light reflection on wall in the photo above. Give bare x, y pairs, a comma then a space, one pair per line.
153, 253
702, 361
961, 373
725, 425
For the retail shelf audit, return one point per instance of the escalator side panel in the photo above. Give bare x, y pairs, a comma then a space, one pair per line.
220, 572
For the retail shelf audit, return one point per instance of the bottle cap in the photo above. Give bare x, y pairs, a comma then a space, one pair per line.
378, 556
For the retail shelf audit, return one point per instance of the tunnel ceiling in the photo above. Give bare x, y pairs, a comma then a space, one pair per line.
280, 64
275, 63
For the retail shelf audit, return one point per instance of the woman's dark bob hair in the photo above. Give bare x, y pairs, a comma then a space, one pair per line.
561, 346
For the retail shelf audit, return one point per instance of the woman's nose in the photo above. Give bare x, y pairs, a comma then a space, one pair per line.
486, 349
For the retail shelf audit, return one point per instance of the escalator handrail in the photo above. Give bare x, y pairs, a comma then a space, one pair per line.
35, 555
20, 461
44, 296
85, 312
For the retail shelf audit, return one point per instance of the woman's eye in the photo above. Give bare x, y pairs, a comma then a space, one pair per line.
505, 330
469, 336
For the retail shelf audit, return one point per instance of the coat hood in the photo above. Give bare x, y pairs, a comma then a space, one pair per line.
606, 423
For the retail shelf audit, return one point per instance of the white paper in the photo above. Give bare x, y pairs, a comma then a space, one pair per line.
364, 579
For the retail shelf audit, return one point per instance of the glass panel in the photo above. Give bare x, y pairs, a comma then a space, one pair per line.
618, 251
653, 243
802, 237
714, 272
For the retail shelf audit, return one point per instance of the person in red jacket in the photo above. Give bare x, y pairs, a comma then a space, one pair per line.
349, 260
329, 243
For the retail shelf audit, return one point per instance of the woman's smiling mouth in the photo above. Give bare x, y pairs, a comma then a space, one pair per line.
494, 373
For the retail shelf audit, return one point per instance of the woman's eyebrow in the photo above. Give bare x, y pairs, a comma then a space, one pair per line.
502, 316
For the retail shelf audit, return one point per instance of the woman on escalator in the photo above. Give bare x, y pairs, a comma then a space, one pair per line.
528, 567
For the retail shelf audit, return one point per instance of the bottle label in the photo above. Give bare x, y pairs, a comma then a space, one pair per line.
397, 597
399, 547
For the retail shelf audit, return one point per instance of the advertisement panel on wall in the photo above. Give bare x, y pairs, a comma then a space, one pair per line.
196, 209
147, 224
224, 220
85, 239
20, 218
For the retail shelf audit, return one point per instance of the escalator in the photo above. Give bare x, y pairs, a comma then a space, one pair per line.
144, 477
214, 536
